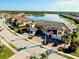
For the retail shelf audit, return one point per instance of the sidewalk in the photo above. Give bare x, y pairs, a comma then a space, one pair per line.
7, 45
20, 55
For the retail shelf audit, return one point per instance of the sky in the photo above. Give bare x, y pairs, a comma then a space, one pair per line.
40, 5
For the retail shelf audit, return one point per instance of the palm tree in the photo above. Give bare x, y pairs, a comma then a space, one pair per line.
73, 37
66, 38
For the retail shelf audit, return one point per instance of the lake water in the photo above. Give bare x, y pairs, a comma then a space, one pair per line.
48, 17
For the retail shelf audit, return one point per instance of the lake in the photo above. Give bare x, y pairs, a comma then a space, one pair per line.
48, 17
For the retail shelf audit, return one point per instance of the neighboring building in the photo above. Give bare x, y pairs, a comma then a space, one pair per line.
22, 20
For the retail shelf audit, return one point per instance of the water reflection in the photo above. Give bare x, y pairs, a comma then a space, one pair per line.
48, 17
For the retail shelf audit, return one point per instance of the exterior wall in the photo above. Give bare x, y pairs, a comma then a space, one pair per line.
58, 36
33, 31
45, 32
54, 36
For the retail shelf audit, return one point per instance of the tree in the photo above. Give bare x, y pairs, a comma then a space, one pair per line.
66, 38
73, 37
33, 57
43, 56
78, 25
15, 23
27, 26
72, 46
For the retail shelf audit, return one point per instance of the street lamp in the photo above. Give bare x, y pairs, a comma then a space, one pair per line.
45, 39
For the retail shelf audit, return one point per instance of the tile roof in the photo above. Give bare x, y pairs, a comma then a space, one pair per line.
54, 25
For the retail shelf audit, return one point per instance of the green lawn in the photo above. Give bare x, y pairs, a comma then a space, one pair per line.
69, 20
76, 53
5, 53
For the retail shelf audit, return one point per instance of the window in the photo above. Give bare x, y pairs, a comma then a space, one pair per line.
59, 32
54, 32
